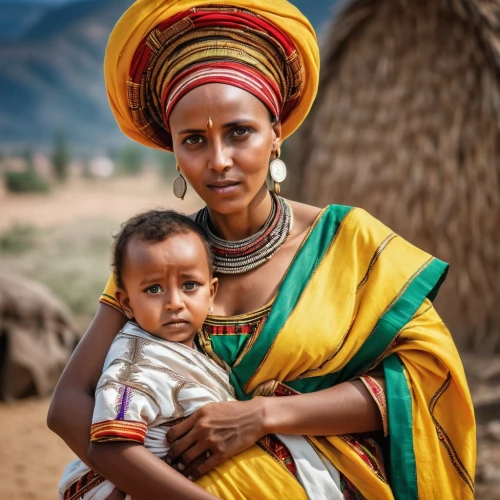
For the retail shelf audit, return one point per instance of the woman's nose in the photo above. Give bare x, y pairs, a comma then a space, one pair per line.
220, 157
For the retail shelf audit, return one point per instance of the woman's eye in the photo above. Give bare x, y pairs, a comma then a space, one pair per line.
241, 131
194, 139
155, 289
190, 286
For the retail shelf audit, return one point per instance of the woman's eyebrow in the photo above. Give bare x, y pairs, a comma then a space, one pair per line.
235, 123
191, 131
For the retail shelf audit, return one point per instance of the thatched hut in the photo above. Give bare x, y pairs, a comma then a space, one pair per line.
37, 337
407, 125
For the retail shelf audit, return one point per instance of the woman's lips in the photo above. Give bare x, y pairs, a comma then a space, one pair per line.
226, 187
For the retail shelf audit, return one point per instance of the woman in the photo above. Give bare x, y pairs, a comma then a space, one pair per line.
326, 305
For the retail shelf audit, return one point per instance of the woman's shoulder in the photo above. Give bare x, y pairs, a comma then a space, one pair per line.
307, 215
304, 216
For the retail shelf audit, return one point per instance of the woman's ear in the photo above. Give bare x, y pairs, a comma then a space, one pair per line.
124, 301
277, 135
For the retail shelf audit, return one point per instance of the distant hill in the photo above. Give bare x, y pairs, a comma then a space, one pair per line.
51, 70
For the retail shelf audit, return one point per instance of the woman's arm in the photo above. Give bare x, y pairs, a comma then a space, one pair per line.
225, 429
70, 412
344, 409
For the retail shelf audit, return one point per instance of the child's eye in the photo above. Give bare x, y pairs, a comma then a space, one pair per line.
155, 289
189, 286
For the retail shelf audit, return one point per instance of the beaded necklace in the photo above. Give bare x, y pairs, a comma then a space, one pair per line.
236, 257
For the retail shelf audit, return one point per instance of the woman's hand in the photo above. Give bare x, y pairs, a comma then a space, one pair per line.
214, 433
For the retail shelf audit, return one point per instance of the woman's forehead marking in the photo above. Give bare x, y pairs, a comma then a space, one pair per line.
220, 103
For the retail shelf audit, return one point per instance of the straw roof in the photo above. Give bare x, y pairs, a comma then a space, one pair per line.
407, 126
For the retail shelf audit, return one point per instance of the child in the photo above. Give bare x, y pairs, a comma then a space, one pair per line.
154, 376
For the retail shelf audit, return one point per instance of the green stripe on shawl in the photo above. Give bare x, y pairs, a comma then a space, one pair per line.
294, 283
403, 468
229, 347
424, 284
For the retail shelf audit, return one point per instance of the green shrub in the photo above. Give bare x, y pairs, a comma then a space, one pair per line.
25, 182
60, 157
131, 160
17, 239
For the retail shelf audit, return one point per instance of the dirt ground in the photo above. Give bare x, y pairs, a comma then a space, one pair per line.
116, 198
31, 457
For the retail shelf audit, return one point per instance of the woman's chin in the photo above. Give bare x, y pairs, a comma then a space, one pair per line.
232, 201
227, 204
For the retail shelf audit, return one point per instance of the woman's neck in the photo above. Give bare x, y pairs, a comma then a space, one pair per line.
241, 225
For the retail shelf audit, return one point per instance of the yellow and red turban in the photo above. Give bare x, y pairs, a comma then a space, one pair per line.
161, 49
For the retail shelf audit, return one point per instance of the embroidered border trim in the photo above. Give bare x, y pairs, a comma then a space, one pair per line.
274, 447
82, 486
349, 491
378, 394
445, 439
118, 430
241, 319
369, 451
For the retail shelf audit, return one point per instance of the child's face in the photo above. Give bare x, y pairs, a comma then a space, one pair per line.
168, 287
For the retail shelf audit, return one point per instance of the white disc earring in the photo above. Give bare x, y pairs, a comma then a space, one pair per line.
277, 169
180, 185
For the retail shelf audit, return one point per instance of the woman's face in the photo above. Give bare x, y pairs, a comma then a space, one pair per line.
227, 165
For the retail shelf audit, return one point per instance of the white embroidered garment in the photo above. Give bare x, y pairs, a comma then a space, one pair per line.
150, 384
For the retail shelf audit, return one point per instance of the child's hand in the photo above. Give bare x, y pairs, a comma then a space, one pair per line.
116, 495
214, 433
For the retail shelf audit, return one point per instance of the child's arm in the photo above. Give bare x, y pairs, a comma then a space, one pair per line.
141, 474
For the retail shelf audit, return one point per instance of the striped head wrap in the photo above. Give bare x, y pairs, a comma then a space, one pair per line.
161, 50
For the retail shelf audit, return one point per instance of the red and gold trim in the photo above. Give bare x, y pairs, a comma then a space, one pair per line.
83, 485
118, 430
378, 394
369, 451
274, 447
229, 73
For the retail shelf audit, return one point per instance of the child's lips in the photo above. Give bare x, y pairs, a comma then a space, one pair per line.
176, 323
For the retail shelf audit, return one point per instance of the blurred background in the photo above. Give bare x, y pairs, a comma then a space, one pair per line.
406, 125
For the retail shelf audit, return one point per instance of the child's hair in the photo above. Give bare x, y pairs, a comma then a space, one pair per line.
154, 225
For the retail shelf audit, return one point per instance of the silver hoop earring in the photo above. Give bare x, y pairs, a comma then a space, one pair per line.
180, 185
277, 169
